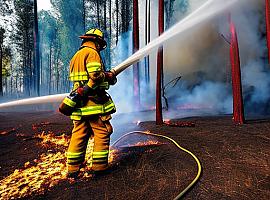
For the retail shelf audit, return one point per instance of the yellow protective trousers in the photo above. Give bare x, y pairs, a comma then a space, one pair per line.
98, 127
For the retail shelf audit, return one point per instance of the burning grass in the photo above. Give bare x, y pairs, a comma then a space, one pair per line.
52, 139
45, 172
36, 177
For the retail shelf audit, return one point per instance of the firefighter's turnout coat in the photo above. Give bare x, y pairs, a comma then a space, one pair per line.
91, 120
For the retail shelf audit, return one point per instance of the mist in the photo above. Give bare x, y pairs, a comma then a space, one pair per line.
201, 57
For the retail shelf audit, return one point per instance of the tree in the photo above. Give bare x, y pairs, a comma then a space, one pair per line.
159, 118
238, 106
136, 84
70, 25
36, 70
267, 22
169, 11
147, 39
6, 67
24, 40
2, 32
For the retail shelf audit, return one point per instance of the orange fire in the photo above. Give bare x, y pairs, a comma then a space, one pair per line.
50, 138
44, 172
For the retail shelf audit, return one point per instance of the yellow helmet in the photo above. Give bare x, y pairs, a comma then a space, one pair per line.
95, 35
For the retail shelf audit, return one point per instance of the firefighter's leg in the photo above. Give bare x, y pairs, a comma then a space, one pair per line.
102, 130
77, 146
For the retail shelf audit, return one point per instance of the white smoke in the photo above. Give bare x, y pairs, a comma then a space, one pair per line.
201, 56
256, 77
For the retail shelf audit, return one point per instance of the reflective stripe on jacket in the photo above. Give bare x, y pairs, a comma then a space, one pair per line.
86, 66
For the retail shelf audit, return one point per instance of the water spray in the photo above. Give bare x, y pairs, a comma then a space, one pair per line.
204, 12
188, 22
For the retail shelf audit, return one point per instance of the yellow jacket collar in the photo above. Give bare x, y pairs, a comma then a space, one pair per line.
89, 44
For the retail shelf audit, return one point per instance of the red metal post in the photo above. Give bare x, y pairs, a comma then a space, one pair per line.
136, 86
159, 118
238, 107
267, 21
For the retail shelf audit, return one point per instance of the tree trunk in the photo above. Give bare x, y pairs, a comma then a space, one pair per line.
36, 71
238, 108
117, 20
110, 18
267, 21
11, 79
98, 18
147, 30
1, 67
159, 118
149, 39
105, 17
136, 86
50, 69
41, 74
84, 18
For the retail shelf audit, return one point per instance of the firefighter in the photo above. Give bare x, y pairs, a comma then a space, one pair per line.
92, 106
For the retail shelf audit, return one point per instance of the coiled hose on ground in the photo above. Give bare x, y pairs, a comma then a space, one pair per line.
181, 148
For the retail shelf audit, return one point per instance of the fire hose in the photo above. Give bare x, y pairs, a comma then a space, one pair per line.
181, 148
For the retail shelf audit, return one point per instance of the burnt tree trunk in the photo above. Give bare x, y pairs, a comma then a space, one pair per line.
159, 118
136, 86
238, 108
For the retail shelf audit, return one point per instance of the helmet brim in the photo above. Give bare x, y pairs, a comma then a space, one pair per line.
100, 40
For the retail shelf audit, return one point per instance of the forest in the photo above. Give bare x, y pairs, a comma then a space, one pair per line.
36, 47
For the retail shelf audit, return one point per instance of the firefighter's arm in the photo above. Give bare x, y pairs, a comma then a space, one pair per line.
94, 69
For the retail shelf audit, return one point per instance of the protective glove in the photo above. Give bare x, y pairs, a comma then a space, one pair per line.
110, 77
76, 99
70, 103
85, 91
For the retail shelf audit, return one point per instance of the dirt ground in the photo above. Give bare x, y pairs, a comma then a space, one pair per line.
235, 159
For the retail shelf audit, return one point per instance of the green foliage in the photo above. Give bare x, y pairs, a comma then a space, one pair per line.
6, 63
23, 36
71, 26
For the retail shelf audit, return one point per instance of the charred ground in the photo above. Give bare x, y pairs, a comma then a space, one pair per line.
235, 159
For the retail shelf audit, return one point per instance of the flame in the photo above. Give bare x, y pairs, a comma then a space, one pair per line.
166, 120
6, 132
51, 138
42, 124
44, 172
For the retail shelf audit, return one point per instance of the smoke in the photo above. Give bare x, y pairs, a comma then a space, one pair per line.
201, 57
122, 92
256, 78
